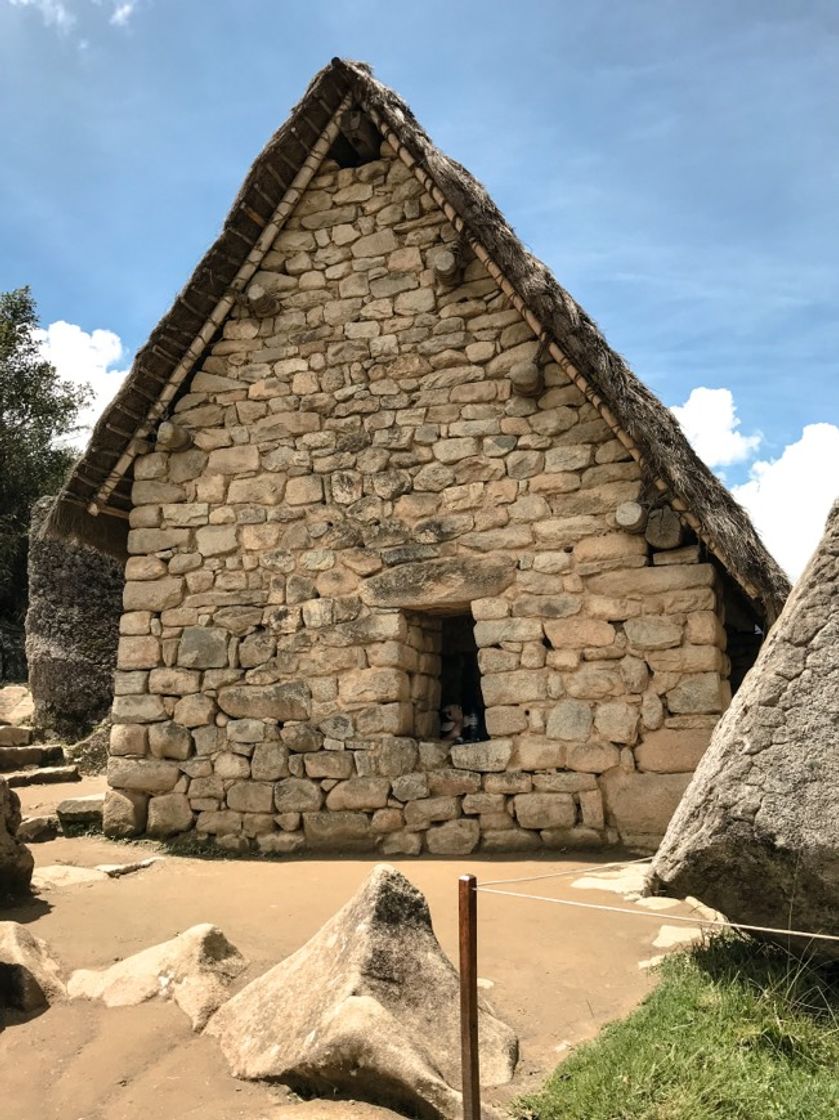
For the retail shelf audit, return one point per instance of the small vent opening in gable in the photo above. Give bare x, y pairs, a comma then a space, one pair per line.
358, 142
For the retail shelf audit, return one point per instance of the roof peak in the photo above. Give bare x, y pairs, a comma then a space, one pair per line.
93, 502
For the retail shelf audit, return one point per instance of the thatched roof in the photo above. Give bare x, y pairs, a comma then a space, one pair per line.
101, 479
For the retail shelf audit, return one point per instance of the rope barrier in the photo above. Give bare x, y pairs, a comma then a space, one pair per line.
658, 916
574, 871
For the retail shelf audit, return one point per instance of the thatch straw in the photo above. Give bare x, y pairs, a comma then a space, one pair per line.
648, 427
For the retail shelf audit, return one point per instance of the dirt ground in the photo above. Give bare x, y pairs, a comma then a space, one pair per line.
557, 974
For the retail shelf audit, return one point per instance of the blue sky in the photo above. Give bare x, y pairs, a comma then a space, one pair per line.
675, 163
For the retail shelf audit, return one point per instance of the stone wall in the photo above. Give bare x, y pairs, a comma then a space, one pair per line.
359, 467
75, 601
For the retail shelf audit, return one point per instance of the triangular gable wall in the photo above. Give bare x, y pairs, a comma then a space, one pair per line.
645, 427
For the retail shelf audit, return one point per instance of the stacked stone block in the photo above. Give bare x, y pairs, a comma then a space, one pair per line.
359, 465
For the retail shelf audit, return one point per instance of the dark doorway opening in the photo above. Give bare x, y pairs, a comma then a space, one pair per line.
743, 631
461, 700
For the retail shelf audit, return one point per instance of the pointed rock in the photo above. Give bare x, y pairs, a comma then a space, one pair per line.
194, 969
369, 1006
30, 979
757, 832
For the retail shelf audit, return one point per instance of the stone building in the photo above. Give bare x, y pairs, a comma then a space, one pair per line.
375, 461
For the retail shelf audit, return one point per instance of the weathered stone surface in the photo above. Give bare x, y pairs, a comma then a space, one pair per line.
124, 813
81, 810
277, 701
269, 762
490, 757
436, 583
168, 814
152, 595
338, 831
453, 838
569, 720
639, 805
592, 758
203, 647
617, 721
579, 632
422, 813
194, 711
251, 797
281, 843
539, 754
757, 833
38, 830
297, 795
359, 793
672, 751
329, 764
194, 969
170, 740
75, 600
142, 775
326, 1017
16, 860
653, 632
32, 977
545, 810
698, 692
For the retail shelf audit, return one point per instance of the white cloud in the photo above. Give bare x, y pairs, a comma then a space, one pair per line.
54, 13
85, 359
60, 14
709, 419
123, 12
790, 497
787, 498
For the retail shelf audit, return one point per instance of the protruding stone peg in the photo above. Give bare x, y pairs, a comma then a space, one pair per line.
263, 303
527, 379
446, 265
172, 437
631, 516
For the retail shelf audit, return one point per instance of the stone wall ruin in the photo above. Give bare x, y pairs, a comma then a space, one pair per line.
357, 469
72, 624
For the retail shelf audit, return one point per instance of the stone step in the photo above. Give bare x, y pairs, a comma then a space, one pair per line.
11, 736
38, 830
42, 775
17, 758
81, 810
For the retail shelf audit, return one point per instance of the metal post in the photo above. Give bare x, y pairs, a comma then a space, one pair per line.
468, 939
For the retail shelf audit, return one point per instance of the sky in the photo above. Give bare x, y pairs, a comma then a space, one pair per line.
674, 163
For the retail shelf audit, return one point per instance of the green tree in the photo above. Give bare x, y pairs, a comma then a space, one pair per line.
37, 409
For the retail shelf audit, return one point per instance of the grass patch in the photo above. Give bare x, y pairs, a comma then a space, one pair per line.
736, 1030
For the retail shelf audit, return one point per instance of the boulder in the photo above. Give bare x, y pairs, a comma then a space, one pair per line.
757, 832
16, 860
30, 978
368, 1006
194, 969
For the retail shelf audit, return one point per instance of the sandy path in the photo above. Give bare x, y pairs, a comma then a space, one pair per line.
557, 974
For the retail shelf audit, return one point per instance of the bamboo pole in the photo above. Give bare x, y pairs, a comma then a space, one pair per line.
468, 941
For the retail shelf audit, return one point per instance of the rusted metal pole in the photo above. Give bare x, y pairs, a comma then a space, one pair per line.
468, 939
